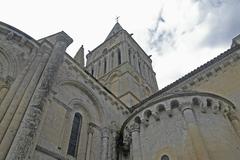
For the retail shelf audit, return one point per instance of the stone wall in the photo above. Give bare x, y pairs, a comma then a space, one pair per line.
183, 126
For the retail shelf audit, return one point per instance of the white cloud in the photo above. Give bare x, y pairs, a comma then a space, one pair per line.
188, 33
178, 51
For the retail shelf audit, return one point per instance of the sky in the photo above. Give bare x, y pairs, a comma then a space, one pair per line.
179, 34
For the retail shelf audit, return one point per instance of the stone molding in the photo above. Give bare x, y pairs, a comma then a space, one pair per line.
76, 73
182, 102
15, 35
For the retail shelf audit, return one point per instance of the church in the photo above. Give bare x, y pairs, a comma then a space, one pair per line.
55, 107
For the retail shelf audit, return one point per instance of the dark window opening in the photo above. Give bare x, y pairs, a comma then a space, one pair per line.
119, 56
129, 55
105, 65
92, 71
75, 134
165, 157
209, 102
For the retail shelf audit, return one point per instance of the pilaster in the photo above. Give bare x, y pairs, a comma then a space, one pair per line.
105, 143
136, 144
89, 142
193, 130
28, 132
235, 122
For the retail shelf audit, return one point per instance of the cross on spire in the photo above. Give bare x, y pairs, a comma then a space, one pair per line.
117, 18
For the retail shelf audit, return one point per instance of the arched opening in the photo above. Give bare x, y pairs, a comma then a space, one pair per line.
105, 51
147, 115
137, 120
75, 135
209, 102
165, 157
160, 108
119, 56
129, 56
99, 67
196, 101
174, 104
139, 66
92, 71
105, 65
112, 60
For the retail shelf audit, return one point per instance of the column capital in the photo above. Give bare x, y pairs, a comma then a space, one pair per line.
185, 106
90, 129
135, 127
105, 132
232, 116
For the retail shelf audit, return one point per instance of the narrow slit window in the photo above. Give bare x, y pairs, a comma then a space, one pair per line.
119, 56
105, 65
129, 55
92, 71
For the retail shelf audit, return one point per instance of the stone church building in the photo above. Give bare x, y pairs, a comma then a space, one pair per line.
53, 107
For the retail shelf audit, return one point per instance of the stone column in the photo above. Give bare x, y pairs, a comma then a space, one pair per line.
235, 122
26, 138
193, 131
89, 142
114, 145
105, 143
3, 92
136, 143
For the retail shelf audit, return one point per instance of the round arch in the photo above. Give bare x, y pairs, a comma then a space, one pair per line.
97, 105
8, 64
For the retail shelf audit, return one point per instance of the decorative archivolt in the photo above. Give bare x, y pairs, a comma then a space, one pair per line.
92, 113
96, 107
204, 102
8, 64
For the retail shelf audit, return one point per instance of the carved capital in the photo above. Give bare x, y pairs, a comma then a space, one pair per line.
105, 132
232, 116
185, 106
135, 127
90, 129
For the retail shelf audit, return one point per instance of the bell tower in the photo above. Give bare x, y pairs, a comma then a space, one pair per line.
121, 65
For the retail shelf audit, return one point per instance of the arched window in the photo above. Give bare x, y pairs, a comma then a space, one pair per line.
129, 55
112, 60
92, 71
105, 51
119, 56
99, 68
75, 135
139, 66
165, 157
105, 65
